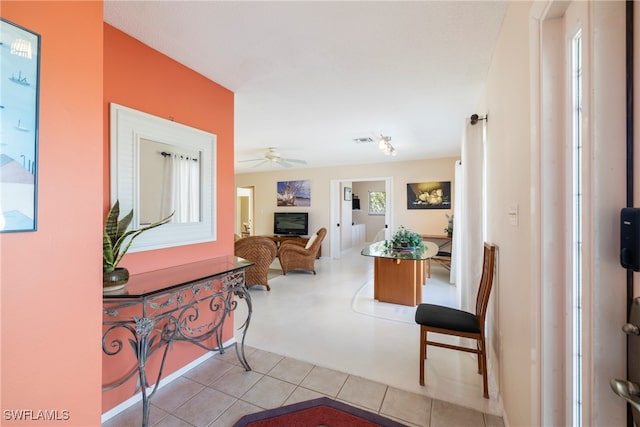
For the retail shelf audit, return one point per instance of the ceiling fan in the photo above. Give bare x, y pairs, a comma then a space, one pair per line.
271, 155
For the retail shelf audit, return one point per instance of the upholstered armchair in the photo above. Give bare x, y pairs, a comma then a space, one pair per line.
295, 255
261, 251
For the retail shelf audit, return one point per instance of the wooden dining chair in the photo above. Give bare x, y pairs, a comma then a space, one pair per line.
450, 321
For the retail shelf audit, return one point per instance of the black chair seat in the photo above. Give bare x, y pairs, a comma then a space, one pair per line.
437, 316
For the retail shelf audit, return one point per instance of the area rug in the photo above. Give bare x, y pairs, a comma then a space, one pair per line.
363, 303
316, 413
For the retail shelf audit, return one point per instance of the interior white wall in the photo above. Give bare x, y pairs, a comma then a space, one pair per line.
347, 216
372, 223
151, 174
422, 221
508, 181
243, 209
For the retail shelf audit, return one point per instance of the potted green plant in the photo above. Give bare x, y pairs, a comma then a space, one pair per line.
449, 229
406, 239
116, 240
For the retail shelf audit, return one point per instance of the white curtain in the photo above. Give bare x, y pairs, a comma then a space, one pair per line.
457, 214
468, 227
181, 186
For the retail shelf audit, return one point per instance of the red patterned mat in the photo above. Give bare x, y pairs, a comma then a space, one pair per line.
322, 412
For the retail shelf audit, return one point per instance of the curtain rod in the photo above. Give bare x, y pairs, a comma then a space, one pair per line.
165, 154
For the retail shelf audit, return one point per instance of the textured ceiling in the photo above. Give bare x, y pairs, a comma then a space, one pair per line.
309, 77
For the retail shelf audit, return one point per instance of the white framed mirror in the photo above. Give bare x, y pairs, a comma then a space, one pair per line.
157, 167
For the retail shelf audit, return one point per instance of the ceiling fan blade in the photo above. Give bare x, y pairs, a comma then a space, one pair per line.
273, 156
303, 162
261, 163
282, 162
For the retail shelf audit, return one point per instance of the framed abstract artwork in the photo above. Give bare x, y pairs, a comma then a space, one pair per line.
429, 195
294, 193
19, 68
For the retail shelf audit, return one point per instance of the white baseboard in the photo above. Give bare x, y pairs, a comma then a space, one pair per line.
166, 380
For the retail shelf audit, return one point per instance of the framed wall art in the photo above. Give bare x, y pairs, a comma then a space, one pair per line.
294, 193
347, 194
19, 68
429, 195
377, 202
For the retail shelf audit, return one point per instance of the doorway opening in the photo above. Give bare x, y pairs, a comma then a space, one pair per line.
349, 226
244, 211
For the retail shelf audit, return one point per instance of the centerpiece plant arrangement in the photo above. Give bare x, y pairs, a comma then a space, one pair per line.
116, 240
404, 239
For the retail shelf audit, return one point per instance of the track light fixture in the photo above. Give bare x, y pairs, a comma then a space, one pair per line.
385, 146
475, 118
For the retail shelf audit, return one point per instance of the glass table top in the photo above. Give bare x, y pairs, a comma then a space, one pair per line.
383, 249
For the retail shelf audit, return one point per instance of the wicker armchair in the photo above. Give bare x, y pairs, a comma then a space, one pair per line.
261, 251
294, 255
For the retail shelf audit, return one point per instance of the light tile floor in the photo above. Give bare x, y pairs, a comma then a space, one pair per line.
324, 335
219, 391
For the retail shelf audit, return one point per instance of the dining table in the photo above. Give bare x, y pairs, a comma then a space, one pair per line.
399, 272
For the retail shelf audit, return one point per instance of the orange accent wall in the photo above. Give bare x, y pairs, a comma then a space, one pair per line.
50, 279
139, 77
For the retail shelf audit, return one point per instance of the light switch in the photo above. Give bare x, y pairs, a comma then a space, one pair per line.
512, 213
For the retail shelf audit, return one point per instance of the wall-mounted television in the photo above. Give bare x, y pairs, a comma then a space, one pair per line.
291, 223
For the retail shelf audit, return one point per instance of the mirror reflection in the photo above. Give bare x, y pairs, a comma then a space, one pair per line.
169, 182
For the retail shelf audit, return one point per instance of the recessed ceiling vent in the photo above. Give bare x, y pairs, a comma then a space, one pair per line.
363, 140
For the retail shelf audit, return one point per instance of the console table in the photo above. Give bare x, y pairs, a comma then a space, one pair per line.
185, 303
301, 239
398, 275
